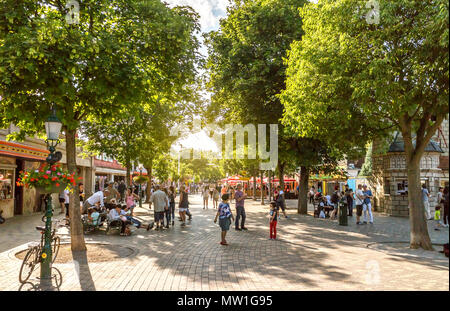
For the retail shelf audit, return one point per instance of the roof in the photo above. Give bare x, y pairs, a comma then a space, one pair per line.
399, 146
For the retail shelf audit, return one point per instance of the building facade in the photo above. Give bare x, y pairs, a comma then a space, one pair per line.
389, 180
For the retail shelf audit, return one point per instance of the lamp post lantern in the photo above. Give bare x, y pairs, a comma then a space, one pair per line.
53, 129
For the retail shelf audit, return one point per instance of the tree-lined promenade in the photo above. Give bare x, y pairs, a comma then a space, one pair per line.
128, 71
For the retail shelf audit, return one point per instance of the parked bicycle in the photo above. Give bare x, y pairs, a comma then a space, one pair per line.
34, 253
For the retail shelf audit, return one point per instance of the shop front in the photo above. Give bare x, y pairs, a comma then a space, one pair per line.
14, 158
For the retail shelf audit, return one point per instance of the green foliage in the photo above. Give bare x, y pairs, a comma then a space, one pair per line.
366, 169
349, 81
118, 55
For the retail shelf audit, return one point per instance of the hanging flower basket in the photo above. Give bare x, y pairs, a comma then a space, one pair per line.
47, 179
140, 179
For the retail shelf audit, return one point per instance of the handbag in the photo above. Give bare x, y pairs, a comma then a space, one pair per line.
2, 220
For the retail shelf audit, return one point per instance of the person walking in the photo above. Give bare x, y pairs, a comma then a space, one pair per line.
359, 200
216, 197
205, 195
225, 217
311, 194
171, 211
279, 198
62, 200
122, 188
161, 202
273, 220
183, 205
66, 201
426, 201
367, 205
240, 210
349, 197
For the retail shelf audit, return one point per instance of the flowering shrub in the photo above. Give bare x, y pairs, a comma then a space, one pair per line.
47, 176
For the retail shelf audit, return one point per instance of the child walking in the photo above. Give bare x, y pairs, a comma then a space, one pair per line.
273, 220
437, 217
225, 216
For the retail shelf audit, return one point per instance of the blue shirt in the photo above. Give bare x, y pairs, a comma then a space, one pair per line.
369, 193
224, 210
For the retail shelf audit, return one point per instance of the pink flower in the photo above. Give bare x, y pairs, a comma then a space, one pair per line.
48, 172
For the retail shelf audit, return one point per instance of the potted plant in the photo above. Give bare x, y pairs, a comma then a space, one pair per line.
47, 179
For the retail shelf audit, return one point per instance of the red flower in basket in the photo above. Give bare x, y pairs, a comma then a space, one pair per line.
57, 185
45, 176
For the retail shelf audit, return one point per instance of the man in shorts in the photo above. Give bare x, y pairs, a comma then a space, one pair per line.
161, 202
359, 200
280, 201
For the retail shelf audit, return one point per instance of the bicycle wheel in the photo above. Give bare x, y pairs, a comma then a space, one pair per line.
56, 242
28, 265
57, 276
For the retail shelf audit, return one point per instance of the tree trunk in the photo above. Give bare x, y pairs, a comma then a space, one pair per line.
302, 206
262, 188
76, 227
254, 188
128, 167
281, 174
418, 223
149, 169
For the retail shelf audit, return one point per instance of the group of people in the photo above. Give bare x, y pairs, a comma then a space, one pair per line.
328, 205
162, 200
226, 217
443, 203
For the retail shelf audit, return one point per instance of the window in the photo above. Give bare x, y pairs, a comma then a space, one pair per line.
6, 184
402, 187
386, 186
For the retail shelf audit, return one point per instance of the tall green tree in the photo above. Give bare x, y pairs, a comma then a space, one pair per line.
119, 53
246, 68
350, 79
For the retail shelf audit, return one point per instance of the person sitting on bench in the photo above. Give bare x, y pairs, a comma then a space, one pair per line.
114, 215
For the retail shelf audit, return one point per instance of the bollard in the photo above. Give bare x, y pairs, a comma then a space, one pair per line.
343, 220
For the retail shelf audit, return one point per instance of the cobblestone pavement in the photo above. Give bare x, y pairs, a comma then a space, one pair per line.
310, 254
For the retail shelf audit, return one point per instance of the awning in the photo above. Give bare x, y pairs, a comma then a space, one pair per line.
22, 151
104, 170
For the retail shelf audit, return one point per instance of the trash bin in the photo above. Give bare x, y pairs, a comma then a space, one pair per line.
343, 220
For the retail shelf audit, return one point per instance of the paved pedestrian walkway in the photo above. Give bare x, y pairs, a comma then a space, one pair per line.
311, 254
